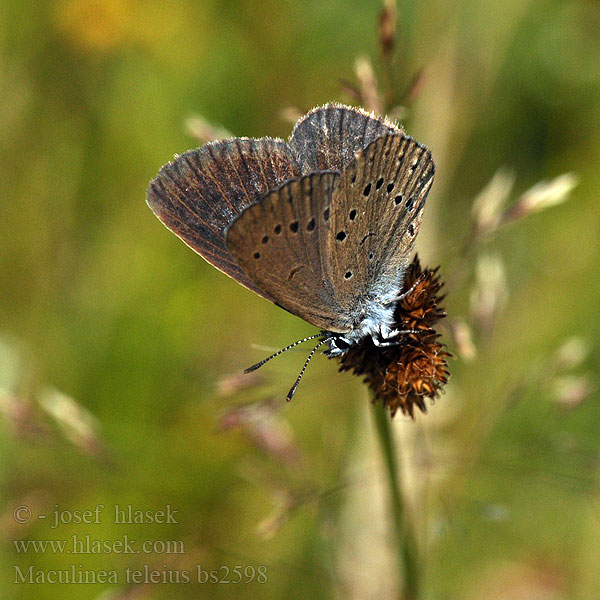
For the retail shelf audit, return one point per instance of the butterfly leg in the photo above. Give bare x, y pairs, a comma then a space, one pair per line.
381, 344
408, 292
387, 333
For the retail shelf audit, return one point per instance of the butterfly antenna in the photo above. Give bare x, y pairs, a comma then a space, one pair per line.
262, 362
295, 386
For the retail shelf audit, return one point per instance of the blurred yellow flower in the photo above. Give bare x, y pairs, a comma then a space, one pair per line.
97, 25
100, 26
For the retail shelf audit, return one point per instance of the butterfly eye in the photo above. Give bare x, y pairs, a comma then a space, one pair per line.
326, 215
411, 229
367, 189
348, 274
352, 215
342, 344
311, 225
398, 199
409, 203
265, 239
257, 255
277, 229
379, 183
389, 188
294, 226
341, 236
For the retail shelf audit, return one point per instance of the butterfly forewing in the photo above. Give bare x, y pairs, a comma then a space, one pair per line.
377, 212
199, 194
328, 137
280, 243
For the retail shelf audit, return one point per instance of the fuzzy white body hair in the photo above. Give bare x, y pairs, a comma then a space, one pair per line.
376, 319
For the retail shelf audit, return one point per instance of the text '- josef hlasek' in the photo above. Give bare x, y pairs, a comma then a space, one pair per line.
119, 514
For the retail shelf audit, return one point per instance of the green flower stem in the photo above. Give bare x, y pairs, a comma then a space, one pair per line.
406, 543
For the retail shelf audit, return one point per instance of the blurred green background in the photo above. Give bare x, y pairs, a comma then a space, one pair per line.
119, 346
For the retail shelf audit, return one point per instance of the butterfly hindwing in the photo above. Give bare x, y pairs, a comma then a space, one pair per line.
377, 214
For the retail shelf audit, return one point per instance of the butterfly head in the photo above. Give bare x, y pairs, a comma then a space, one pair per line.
338, 344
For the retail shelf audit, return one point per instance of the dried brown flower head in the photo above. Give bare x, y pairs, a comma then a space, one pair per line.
404, 375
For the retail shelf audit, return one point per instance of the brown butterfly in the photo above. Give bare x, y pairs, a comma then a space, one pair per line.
323, 225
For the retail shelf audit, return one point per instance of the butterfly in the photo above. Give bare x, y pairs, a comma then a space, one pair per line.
322, 225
